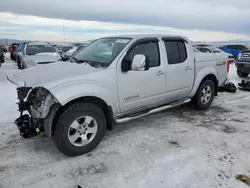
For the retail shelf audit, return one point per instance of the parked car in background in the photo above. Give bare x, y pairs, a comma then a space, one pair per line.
234, 49
65, 47
2, 56
114, 80
74, 50
3, 48
37, 53
80, 47
210, 49
243, 64
195, 49
70, 52
12, 50
19, 49
207, 49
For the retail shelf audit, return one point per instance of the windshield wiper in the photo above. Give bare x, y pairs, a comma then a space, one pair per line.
91, 63
75, 59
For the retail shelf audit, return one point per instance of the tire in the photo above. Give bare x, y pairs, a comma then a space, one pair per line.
199, 101
63, 131
242, 74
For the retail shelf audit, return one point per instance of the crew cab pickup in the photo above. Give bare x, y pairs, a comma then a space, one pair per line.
114, 80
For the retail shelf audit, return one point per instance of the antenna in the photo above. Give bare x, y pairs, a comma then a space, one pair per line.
63, 32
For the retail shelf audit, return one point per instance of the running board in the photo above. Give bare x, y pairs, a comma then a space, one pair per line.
155, 110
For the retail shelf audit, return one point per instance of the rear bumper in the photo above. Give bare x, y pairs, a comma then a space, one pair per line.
243, 66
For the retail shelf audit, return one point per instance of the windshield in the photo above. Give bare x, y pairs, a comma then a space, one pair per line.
102, 51
35, 49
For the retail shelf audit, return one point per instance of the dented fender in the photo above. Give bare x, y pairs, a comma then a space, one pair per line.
70, 91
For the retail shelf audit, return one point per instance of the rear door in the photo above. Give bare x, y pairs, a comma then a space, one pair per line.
180, 68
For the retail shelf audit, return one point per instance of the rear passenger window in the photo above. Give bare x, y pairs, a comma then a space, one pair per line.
176, 51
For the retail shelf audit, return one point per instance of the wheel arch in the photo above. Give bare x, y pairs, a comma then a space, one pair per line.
107, 110
200, 80
214, 79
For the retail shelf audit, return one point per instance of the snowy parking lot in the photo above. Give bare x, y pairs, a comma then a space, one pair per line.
180, 148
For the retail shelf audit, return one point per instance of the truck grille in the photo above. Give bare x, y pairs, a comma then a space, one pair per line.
245, 56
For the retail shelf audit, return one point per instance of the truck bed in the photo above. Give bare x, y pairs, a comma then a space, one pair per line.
217, 61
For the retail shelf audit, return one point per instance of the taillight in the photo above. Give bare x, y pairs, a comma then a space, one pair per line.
228, 65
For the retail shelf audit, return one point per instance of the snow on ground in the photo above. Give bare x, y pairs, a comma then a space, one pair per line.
180, 148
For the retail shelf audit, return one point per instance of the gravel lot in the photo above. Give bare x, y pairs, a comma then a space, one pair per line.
180, 148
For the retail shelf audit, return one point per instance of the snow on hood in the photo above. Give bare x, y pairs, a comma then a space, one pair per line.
50, 73
44, 57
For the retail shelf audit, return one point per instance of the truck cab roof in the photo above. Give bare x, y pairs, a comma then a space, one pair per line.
141, 36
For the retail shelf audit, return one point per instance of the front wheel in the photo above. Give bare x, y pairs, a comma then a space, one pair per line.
242, 74
80, 129
205, 95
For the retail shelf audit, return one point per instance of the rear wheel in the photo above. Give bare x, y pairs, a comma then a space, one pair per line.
242, 74
205, 95
80, 129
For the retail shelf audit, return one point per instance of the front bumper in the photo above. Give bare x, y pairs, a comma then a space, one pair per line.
27, 126
39, 118
30, 127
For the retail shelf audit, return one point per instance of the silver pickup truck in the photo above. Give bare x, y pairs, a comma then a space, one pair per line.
114, 80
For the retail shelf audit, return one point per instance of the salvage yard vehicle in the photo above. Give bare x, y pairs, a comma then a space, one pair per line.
114, 80
243, 64
37, 53
234, 49
211, 49
12, 50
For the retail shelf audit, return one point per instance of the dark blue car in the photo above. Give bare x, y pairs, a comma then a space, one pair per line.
234, 49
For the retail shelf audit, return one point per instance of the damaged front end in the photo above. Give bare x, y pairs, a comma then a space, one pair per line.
39, 102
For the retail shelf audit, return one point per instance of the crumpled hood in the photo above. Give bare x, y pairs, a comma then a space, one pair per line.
44, 57
50, 73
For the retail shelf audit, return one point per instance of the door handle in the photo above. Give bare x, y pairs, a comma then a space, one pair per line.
159, 73
188, 68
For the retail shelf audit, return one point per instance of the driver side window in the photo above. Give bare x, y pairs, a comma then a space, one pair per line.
150, 49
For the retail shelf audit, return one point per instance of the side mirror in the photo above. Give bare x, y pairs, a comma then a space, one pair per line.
140, 63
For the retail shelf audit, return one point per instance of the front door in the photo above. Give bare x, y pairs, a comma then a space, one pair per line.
139, 90
180, 69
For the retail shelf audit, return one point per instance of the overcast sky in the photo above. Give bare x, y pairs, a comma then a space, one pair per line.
86, 19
